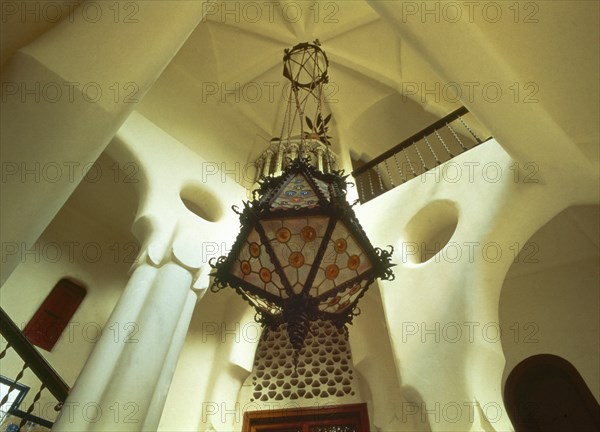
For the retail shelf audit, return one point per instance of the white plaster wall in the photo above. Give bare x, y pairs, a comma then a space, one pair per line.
450, 373
210, 389
209, 376
504, 212
219, 350
79, 247
382, 388
166, 230
75, 55
429, 375
549, 301
213, 364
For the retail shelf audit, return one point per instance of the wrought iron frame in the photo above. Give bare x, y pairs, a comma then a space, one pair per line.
300, 308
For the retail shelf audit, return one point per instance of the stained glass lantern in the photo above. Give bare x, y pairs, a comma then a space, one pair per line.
301, 254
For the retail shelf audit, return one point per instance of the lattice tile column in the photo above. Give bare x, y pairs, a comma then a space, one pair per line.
324, 368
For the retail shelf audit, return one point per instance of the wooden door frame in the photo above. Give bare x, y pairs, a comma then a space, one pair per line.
296, 417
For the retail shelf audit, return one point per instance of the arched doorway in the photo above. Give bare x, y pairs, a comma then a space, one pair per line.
550, 296
546, 393
550, 325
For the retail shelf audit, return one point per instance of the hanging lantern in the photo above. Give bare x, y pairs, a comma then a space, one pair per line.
301, 254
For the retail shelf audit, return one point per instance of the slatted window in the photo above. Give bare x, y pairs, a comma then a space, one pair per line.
53, 315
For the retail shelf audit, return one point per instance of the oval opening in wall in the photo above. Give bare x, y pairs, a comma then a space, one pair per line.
201, 202
429, 231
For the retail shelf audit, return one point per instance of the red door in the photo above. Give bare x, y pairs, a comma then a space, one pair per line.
53, 315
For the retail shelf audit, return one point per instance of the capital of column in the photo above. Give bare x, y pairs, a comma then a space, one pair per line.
179, 248
268, 153
293, 149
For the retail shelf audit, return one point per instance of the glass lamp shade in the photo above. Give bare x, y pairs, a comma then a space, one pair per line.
301, 254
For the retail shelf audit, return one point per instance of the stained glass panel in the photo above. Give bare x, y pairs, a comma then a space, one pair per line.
254, 266
296, 194
263, 304
344, 299
343, 260
295, 243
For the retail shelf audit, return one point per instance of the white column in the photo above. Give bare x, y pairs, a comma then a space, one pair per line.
157, 404
268, 156
123, 385
293, 150
259, 167
319, 153
279, 159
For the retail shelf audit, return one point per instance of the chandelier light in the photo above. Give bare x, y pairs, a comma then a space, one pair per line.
301, 254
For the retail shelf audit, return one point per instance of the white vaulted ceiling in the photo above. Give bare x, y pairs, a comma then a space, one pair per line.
207, 97
221, 94
552, 44
225, 85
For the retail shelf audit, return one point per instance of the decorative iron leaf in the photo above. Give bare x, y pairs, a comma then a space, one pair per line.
309, 122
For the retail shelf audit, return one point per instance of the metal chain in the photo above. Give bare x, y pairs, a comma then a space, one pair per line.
319, 90
370, 183
456, 136
437, 161
299, 109
444, 144
379, 177
387, 169
420, 157
398, 168
469, 129
285, 120
409, 163
362, 189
